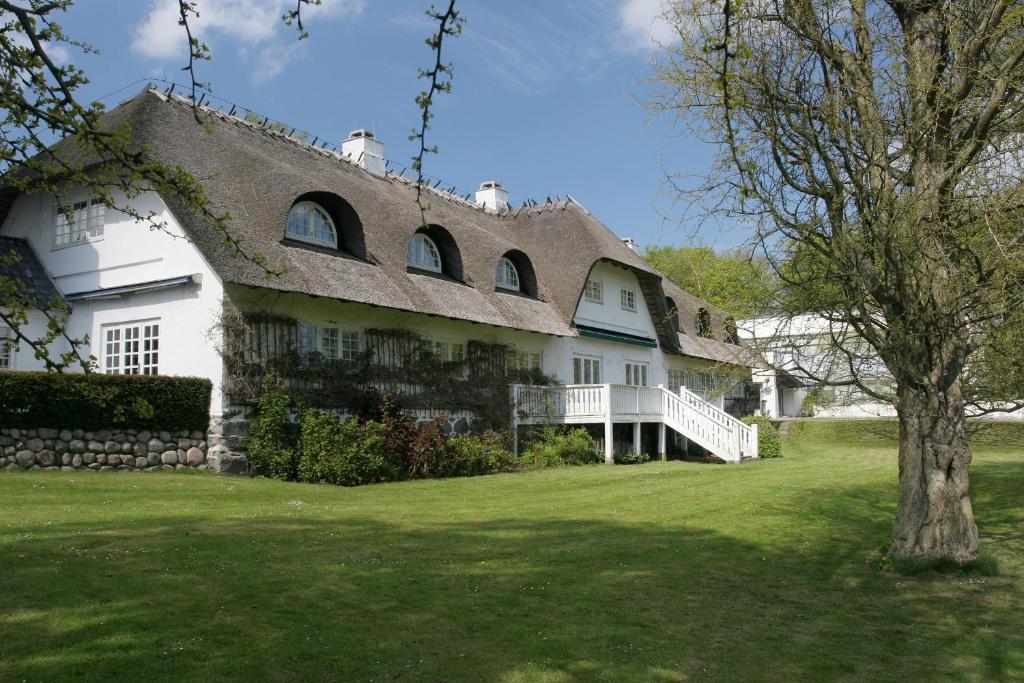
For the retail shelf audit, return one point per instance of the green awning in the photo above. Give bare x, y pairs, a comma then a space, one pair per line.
622, 337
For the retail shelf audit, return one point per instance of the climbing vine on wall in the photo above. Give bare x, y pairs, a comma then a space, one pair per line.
400, 362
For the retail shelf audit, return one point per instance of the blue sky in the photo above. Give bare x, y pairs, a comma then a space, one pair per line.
545, 95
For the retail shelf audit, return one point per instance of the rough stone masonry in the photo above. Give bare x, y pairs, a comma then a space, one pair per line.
102, 450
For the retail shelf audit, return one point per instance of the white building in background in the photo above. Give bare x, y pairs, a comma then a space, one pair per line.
802, 360
549, 281
800, 354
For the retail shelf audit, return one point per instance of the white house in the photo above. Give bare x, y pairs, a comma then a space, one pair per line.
548, 283
803, 361
806, 371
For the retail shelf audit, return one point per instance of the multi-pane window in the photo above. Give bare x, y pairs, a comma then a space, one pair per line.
636, 374
132, 348
310, 223
423, 253
628, 299
586, 370
449, 350
507, 277
594, 291
704, 384
330, 343
524, 360
6, 349
79, 222
676, 379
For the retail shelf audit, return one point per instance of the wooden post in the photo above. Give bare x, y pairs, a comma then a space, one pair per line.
662, 450
754, 441
636, 437
609, 432
515, 419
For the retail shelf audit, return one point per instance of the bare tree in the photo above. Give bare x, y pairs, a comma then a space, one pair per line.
876, 145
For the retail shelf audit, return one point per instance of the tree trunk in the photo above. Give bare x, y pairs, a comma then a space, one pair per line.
934, 519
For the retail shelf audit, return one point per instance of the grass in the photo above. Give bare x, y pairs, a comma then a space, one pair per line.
662, 572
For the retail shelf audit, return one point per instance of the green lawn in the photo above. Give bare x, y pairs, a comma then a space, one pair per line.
666, 571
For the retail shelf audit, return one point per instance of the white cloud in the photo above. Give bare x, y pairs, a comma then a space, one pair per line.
255, 25
642, 24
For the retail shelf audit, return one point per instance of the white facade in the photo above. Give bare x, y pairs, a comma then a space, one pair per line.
125, 255
185, 306
555, 354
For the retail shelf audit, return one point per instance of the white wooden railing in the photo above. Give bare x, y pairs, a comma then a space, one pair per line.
685, 412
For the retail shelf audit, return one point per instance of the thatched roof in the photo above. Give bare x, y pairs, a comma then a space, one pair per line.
256, 175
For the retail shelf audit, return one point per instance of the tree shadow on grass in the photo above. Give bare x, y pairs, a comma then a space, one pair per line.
292, 597
978, 618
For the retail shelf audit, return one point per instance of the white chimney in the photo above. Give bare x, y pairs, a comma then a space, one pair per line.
365, 149
631, 243
492, 196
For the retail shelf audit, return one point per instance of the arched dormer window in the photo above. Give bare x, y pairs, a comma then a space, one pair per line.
309, 222
423, 253
515, 274
507, 276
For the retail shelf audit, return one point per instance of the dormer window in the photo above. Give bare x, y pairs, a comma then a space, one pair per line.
594, 292
423, 253
507, 277
309, 222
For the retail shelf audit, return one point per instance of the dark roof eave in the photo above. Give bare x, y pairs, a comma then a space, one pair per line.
397, 308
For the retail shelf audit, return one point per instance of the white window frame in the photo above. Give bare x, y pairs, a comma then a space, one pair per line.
6, 348
638, 373
676, 379
88, 218
448, 350
330, 342
507, 275
131, 348
424, 254
704, 384
522, 359
627, 297
309, 225
586, 369
594, 291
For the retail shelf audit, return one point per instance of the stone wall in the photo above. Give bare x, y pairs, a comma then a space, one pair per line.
101, 450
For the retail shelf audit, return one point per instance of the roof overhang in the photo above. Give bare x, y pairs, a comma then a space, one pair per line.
151, 286
621, 337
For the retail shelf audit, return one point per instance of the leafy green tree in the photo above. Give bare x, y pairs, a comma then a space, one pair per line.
880, 142
731, 280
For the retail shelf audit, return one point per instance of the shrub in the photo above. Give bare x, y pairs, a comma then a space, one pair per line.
469, 455
389, 447
271, 444
632, 458
426, 451
333, 451
96, 401
557, 446
769, 445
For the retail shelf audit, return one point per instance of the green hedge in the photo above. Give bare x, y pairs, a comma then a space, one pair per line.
769, 444
95, 401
